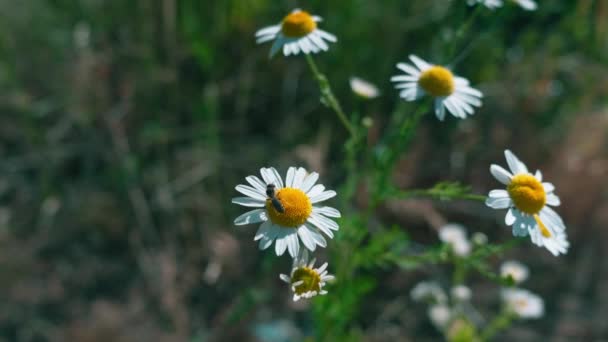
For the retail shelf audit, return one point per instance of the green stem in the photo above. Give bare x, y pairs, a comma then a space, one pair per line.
327, 96
463, 29
499, 323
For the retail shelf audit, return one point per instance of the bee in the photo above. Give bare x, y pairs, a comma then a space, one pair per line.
275, 201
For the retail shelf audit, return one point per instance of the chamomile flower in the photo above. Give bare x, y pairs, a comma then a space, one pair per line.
298, 32
297, 217
523, 303
516, 270
363, 89
448, 90
455, 235
307, 281
527, 199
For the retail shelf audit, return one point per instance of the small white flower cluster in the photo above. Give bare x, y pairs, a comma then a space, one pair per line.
522, 303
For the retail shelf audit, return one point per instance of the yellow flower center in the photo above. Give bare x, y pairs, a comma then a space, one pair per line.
296, 205
298, 24
527, 193
437, 81
311, 280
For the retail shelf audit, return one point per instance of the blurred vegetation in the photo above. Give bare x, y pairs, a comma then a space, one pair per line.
125, 126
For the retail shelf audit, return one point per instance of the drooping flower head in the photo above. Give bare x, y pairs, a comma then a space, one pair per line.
305, 280
527, 199
297, 32
448, 90
514, 269
296, 216
523, 303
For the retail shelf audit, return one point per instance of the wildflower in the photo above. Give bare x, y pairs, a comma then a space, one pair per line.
305, 280
527, 199
461, 293
440, 315
528, 5
516, 270
363, 88
428, 291
479, 238
523, 303
448, 90
299, 219
455, 235
298, 32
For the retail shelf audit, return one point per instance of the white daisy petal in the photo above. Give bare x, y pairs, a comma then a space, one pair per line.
251, 192
408, 69
498, 203
314, 233
285, 278
256, 183
309, 181
270, 30
293, 244
325, 195
538, 175
266, 229
421, 64
515, 164
553, 200
510, 217
249, 202
501, 174
551, 218
307, 239
315, 190
280, 244
548, 187
498, 193
327, 211
253, 216
298, 178
321, 226
439, 109
291, 172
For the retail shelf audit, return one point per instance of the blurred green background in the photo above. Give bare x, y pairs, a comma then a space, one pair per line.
125, 126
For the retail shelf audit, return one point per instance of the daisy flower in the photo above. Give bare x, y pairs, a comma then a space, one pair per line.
523, 303
298, 32
527, 199
516, 270
455, 235
296, 217
363, 89
305, 280
448, 90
